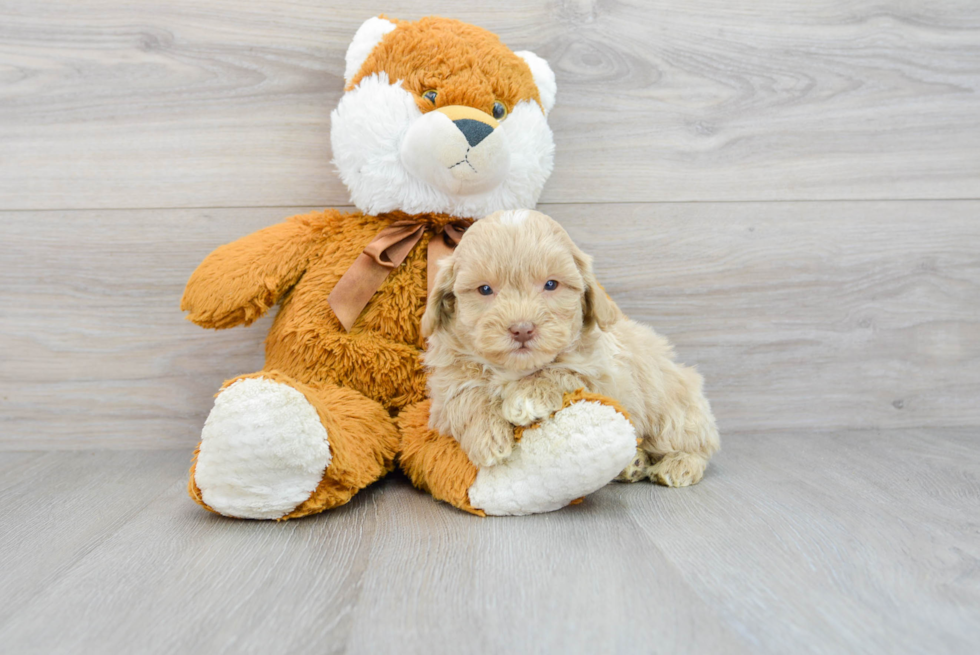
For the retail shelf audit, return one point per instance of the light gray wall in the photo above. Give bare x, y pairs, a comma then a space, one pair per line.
788, 190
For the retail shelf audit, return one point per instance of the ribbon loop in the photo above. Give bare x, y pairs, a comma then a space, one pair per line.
379, 258
393, 243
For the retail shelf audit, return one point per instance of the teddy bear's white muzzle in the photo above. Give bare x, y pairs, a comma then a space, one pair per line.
459, 157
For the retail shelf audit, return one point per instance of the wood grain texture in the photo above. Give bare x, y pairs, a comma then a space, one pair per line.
848, 542
805, 315
586, 580
93, 336
842, 535
799, 315
56, 508
840, 341
212, 103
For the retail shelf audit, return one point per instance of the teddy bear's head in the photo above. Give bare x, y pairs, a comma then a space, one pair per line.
439, 116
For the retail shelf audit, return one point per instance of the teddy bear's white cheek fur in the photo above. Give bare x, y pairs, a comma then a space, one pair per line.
367, 130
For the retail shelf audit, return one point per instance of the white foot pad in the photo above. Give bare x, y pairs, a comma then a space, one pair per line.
263, 450
576, 452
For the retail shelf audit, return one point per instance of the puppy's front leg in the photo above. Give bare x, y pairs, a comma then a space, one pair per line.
475, 420
537, 396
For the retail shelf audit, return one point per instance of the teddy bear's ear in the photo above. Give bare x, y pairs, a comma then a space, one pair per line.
544, 78
368, 35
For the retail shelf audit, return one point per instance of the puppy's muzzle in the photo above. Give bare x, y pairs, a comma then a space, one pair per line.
457, 149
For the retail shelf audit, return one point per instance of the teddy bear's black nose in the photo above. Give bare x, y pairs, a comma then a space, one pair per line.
474, 131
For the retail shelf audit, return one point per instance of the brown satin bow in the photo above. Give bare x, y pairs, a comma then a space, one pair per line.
383, 255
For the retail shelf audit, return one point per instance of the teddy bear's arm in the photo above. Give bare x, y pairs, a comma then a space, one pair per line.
240, 281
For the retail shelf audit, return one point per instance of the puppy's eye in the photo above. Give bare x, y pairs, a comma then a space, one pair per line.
550, 285
485, 290
499, 111
430, 96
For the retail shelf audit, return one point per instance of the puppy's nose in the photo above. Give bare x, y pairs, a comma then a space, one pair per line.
522, 332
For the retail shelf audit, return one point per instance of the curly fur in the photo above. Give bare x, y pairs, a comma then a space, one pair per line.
483, 381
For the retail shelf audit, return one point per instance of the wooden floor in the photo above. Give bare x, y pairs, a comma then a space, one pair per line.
843, 542
790, 191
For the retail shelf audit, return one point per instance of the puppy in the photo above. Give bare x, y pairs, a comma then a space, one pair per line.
516, 319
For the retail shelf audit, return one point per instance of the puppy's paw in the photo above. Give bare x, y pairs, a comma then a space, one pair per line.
493, 445
532, 404
636, 470
678, 469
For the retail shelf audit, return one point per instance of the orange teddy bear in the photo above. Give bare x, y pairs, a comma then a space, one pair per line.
440, 125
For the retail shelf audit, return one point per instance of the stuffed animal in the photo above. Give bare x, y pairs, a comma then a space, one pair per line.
440, 124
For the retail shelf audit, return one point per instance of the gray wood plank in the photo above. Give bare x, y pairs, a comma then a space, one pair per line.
179, 579
800, 315
583, 580
805, 315
203, 103
12, 463
93, 337
834, 543
794, 542
56, 508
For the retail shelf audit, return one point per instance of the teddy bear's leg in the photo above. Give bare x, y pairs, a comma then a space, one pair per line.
434, 462
578, 450
273, 448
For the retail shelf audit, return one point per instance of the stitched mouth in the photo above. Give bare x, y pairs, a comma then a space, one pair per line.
465, 160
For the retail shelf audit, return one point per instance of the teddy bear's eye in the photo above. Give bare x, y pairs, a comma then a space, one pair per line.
550, 285
499, 111
430, 96
485, 290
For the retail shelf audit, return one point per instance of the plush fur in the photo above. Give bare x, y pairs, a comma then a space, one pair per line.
362, 441
387, 136
367, 386
434, 463
257, 421
368, 36
517, 320
591, 442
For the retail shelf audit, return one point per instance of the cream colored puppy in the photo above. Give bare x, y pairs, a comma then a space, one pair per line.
516, 319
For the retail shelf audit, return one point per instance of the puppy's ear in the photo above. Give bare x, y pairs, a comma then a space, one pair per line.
441, 306
597, 307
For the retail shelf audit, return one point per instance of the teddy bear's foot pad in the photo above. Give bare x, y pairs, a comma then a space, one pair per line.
263, 450
577, 451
